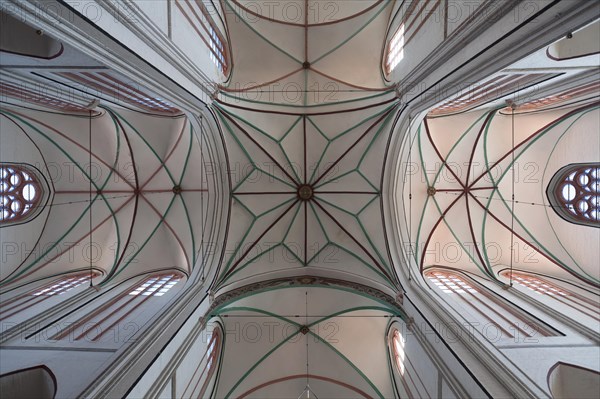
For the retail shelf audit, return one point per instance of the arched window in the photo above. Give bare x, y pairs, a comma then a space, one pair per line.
417, 375
20, 193
492, 316
106, 317
42, 98
574, 193
38, 295
198, 385
203, 23
560, 294
395, 50
398, 351
114, 87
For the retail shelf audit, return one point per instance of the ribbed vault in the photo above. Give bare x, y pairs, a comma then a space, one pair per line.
305, 143
476, 194
139, 203
309, 330
306, 116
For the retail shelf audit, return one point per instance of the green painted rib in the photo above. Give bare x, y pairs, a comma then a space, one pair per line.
257, 310
488, 265
316, 168
435, 179
292, 222
422, 217
312, 207
367, 204
546, 249
228, 265
367, 119
352, 291
281, 243
341, 134
118, 155
230, 130
316, 255
243, 120
237, 186
241, 146
336, 178
329, 242
459, 241
357, 219
364, 154
173, 181
357, 171
352, 309
365, 263
308, 118
239, 246
368, 181
255, 365
543, 133
164, 166
185, 208
245, 207
286, 320
383, 93
162, 218
285, 153
385, 4
276, 207
99, 189
435, 202
354, 367
511, 163
250, 261
294, 254
377, 133
289, 130
241, 18
543, 191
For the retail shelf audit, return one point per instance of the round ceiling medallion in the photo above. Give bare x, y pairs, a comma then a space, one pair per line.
305, 192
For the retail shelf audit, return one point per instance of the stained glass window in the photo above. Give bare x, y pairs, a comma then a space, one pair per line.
20, 192
574, 193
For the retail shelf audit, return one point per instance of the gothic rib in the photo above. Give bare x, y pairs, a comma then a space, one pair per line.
305, 376
534, 135
306, 24
592, 283
8, 279
51, 187
444, 161
352, 146
357, 242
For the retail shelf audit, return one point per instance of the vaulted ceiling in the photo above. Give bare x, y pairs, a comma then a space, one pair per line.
306, 116
139, 203
479, 172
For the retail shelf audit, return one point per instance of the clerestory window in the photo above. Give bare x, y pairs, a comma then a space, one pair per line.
395, 50
563, 295
491, 315
21, 193
574, 193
